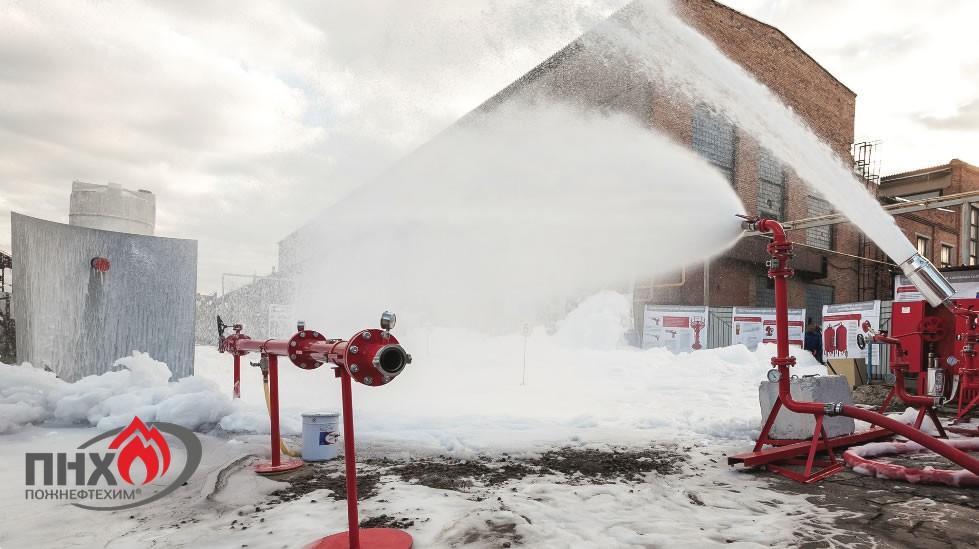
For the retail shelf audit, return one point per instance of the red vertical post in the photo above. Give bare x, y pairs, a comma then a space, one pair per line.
350, 459
782, 324
236, 392
274, 405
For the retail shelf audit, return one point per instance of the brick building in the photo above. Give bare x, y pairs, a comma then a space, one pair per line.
586, 74
949, 235
827, 262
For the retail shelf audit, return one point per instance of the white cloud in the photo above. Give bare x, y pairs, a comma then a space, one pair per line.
246, 118
913, 65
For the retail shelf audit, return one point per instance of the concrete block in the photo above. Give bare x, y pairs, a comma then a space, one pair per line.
792, 426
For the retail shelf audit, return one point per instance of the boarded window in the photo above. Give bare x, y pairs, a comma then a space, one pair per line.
820, 237
771, 190
714, 139
816, 297
764, 292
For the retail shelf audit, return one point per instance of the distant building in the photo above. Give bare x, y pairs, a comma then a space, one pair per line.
948, 235
112, 208
827, 258
591, 78
764, 185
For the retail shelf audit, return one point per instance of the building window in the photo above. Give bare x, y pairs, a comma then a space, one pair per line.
714, 139
820, 237
816, 297
922, 245
764, 292
771, 190
973, 236
948, 252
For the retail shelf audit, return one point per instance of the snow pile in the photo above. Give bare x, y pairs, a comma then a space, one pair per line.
599, 323
462, 394
24, 394
463, 391
140, 386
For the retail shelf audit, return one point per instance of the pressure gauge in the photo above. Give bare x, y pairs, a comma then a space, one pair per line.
774, 375
388, 319
890, 378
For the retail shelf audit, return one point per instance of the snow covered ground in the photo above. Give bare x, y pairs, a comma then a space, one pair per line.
462, 397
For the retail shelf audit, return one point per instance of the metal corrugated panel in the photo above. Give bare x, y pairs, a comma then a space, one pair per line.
77, 321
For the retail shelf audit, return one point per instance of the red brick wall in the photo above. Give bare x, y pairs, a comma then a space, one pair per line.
594, 77
813, 94
944, 227
764, 51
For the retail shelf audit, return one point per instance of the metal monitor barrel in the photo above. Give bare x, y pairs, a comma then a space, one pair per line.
935, 288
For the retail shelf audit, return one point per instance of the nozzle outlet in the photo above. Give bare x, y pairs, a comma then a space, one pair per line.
935, 288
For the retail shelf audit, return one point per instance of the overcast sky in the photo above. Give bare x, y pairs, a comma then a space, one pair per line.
247, 118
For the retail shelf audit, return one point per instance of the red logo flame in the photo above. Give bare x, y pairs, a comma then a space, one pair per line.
136, 449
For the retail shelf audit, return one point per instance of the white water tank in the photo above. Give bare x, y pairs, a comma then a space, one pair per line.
112, 208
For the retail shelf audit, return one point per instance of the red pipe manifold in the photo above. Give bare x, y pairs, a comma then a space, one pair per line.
899, 367
372, 357
781, 252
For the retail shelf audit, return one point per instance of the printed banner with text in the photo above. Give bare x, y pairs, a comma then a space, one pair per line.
966, 284
848, 327
679, 328
754, 325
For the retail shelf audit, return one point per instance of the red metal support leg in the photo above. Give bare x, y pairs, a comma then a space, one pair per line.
887, 401
934, 418
963, 411
277, 465
372, 538
763, 437
274, 412
236, 392
350, 459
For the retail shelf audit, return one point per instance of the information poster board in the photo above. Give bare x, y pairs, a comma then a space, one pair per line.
966, 284
282, 322
846, 326
679, 328
754, 325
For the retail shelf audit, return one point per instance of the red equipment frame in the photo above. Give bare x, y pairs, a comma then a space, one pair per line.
926, 404
356, 537
239, 345
946, 332
776, 458
371, 357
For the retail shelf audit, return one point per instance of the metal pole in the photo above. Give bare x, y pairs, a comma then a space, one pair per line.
526, 331
707, 283
274, 405
349, 459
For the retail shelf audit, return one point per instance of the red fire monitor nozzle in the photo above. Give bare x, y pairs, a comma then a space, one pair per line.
371, 357
780, 249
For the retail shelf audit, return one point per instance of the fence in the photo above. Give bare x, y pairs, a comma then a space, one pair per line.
719, 321
878, 355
